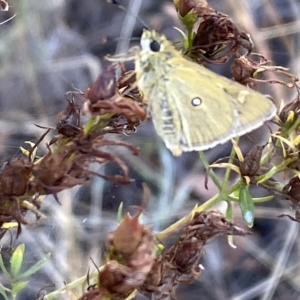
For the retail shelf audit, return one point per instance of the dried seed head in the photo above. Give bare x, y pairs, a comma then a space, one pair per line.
69, 120
121, 276
290, 108
217, 37
251, 164
180, 263
292, 192
292, 189
15, 176
242, 69
183, 7
128, 235
105, 86
4, 5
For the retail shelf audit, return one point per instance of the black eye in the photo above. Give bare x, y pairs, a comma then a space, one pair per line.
154, 46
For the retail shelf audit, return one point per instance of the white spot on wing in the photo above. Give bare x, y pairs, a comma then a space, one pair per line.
196, 101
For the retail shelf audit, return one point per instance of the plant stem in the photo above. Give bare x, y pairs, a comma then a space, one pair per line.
209, 203
209, 171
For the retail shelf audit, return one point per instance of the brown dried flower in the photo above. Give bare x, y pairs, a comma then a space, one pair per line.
14, 176
129, 265
105, 87
251, 164
4, 5
217, 37
69, 120
293, 107
246, 71
291, 191
118, 103
180, 263
183, 7
127, 236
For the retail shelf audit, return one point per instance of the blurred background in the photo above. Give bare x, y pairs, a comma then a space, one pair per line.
55, 46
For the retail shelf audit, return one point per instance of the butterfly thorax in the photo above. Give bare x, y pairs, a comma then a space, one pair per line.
153, 79
153, 64
151, 70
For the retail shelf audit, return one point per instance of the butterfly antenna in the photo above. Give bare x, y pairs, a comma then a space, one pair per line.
129, 23
121, 7
8, 19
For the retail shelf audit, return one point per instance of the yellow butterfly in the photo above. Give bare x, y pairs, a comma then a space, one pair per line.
192, 107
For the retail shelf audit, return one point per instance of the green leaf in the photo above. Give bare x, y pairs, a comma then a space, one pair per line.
246, 204
2, 267
35, 267
18, 287
3, 290
17, 260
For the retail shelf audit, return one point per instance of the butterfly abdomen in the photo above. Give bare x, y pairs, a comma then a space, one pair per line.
167, 118
166, 121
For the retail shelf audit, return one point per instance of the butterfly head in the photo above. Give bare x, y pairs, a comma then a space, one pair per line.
153, 42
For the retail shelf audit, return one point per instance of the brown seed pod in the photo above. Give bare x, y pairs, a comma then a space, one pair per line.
183, 7
4, 5
132, 255
69, 120
128, 235
290, 107
15, 176
217, 37
251, 164
105, 86
180, 263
